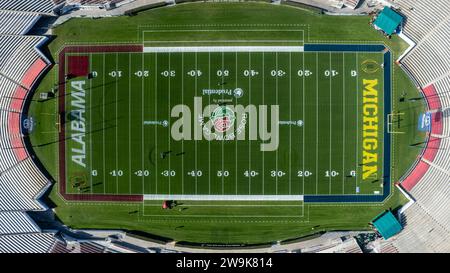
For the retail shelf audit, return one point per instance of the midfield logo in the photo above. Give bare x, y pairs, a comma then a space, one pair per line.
227, 122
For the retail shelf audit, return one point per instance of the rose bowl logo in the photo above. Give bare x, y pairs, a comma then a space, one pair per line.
223, 118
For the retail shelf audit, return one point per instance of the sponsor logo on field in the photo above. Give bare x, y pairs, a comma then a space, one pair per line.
298, 123
237, 92
163, 123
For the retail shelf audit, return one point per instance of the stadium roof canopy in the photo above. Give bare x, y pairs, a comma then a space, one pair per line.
388, 21
386, 224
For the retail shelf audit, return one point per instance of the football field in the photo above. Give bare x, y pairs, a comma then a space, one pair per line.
224, 121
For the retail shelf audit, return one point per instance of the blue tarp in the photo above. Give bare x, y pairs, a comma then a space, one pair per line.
387, 225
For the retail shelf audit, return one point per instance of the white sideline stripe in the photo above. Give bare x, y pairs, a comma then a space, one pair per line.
213, 197
225, 49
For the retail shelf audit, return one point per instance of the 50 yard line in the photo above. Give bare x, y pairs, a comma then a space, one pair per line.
249, 102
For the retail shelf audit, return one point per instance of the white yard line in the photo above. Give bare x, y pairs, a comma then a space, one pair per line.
90, 122
104, 128
209, 141
343, 119
195, 141
317, 122
182, 140
290, 118
168, 108
304, 120
331, 135
222, 48
357, 122
276, 103
263, 82
117, 125
129, 124
235, 154
155, 104
223, 140
249, 102
142, 128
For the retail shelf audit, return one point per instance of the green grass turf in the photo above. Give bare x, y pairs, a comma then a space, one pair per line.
322, 28
123, 154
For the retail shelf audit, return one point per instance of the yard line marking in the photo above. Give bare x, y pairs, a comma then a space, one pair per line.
249, 102
104, 126
317, 122
276, 103
155, 104
129, 123
223, 140
329, 190
343, 119
195, 141
168, 107
182, 140
209, 142
263, 166
304, 119
90, 122
235, 154
142, 128
290, 118
117, 125
357, 122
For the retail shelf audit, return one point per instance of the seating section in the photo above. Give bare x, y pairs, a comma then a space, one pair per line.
422, 16
38, 6
16, 222
18, 23
27, 243
351, 3
21, 181
421, 233
427, 222
430, 60
21, 57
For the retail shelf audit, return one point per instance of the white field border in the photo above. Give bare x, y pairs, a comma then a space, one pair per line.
209, 49
236, 196
144, 32
220, 197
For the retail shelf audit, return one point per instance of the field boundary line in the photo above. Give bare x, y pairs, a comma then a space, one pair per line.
217, 197
185, 49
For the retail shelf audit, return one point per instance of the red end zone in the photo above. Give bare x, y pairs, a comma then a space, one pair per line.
78, 66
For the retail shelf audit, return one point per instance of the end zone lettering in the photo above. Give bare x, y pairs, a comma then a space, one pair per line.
370, 129
77, 123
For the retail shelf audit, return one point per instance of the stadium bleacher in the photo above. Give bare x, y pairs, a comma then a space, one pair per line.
36, 6
21, 181
427, 221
